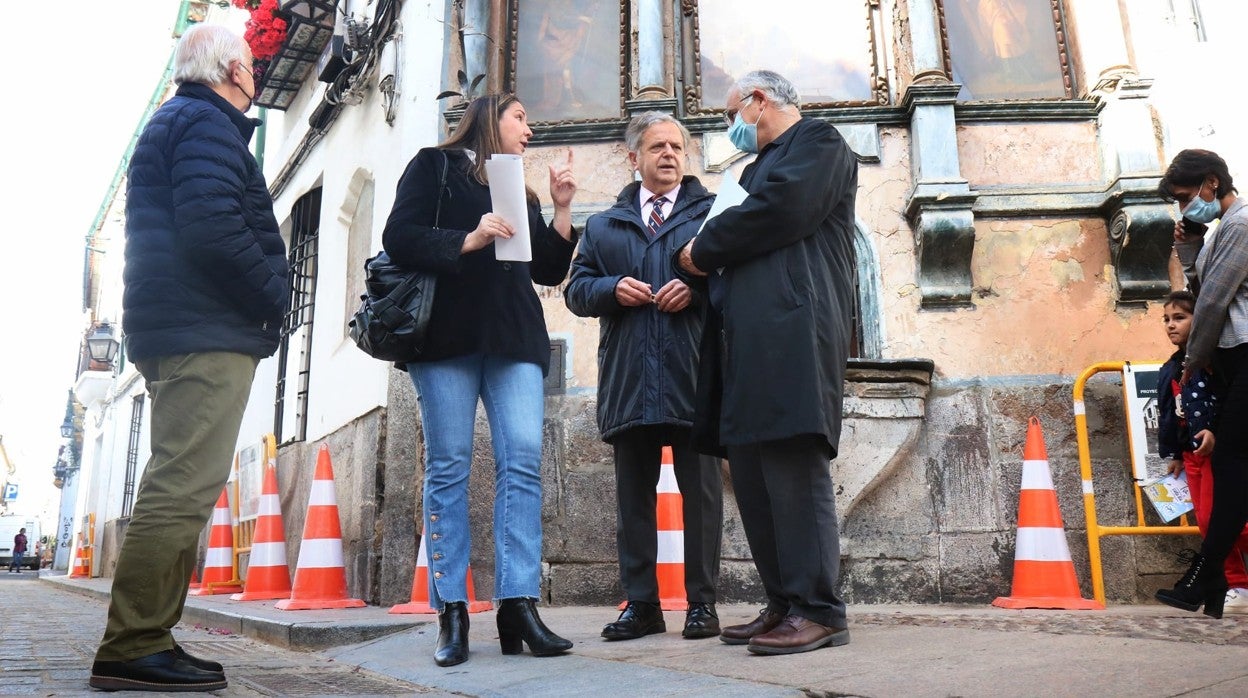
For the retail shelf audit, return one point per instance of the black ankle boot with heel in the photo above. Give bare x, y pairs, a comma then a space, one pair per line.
519, 624
1203, 584
452, 634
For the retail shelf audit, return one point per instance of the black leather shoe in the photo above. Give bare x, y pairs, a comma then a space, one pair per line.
700, 621
452, 634
205, 664
639, 619
163, 671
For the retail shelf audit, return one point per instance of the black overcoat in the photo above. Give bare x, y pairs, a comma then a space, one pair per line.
781, 270
647, 359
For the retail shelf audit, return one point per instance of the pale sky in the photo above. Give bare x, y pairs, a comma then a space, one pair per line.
76, 93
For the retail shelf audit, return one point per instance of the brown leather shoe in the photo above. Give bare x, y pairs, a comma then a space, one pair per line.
766, 621
797, 634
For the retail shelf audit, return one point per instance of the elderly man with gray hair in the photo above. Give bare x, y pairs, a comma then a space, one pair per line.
205, 292
781, 288
651, 327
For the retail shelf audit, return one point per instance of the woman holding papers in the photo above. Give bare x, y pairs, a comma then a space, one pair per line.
487, 341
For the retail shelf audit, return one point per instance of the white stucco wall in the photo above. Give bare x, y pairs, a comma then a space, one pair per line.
345, 383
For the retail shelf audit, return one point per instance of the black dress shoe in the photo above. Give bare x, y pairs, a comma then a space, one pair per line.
163, 671
639, 619
205, 664
700, 621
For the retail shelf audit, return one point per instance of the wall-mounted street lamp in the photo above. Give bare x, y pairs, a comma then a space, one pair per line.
102, 344
68, 455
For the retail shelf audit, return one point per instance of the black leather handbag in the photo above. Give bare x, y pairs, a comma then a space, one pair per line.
393, 319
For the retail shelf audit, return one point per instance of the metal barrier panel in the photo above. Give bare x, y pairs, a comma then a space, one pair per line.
1095, 530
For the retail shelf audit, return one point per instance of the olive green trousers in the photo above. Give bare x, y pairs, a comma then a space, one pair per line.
197, 409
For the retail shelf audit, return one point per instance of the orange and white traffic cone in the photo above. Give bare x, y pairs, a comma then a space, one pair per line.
219, 562
82, 564
669, 519
420, 588
1044, 574
194, 579
268, 575
320, 578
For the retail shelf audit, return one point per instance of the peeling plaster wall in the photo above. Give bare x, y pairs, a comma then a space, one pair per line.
1044, 304
1031, 154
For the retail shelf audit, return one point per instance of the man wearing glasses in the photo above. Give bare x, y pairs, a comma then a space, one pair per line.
779, 270
205, 291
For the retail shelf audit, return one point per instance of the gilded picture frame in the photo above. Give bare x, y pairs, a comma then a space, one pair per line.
1002, 50
568, 59
833, 56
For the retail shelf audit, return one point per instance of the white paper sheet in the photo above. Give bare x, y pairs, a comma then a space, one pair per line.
507, 196
730, 194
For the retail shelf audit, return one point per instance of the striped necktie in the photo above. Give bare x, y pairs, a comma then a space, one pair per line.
656, 214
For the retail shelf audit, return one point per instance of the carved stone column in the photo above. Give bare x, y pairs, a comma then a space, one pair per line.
928, 56
1140, 235
939, 205
1140, 226
651, 84
476, 39
1102, 42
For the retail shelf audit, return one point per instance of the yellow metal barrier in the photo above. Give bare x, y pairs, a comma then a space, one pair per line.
1095, 530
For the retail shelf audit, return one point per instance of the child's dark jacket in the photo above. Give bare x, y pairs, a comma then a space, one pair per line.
1198, 407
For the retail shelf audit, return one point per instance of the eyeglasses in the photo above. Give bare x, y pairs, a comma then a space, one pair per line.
731, 114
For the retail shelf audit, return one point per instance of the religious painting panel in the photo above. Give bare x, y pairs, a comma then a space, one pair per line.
828, 50
1006, 49
567, 58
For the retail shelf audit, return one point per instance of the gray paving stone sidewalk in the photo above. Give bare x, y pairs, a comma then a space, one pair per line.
896, 651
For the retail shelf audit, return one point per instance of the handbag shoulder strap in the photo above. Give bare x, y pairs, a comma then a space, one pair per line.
446, 162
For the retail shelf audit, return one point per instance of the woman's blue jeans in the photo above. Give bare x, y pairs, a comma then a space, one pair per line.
513, 396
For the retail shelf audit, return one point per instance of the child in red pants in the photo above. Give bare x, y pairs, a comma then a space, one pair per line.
1185, 437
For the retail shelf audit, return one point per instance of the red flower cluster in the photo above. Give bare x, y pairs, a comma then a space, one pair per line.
265, 30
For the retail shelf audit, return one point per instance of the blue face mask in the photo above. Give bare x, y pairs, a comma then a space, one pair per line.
744, 136
1199, 210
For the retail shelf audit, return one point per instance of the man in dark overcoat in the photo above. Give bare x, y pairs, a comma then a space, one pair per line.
779, 269
651, 327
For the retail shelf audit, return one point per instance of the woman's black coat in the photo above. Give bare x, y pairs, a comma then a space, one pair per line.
481, 305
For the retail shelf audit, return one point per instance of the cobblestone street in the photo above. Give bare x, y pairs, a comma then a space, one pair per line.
50, 637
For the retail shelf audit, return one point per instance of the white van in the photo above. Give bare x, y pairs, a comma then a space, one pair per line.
9, 526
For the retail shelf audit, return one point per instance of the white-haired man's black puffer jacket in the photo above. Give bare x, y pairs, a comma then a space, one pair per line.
206, 266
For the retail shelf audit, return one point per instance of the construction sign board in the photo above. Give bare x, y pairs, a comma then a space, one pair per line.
1139, 387
250, 480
